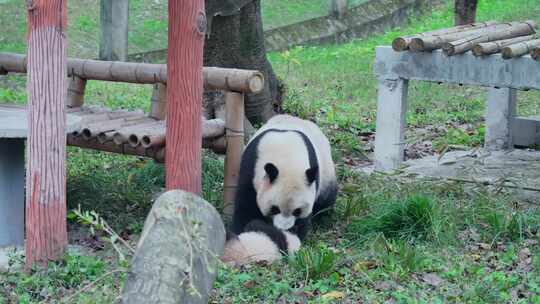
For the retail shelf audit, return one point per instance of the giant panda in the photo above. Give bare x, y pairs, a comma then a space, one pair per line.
260, 242
286, 175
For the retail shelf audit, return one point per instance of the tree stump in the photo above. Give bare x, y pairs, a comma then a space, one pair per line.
177, 256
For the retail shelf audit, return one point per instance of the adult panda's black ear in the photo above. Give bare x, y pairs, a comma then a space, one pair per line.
271, 171
312, 174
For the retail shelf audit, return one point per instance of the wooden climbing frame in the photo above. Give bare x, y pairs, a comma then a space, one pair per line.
135, 133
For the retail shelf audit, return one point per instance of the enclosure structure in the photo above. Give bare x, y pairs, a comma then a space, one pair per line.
121, 131
501, 76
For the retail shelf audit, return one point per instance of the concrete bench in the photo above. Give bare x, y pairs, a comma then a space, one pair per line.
502, 77
13, 131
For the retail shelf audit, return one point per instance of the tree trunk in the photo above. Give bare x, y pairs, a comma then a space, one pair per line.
46, 229
338, 8
465, 11
236, 40
187, 25
113, 44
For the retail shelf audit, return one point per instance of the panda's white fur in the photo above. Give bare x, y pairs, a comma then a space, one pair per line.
287, 151
286, 175
256, 246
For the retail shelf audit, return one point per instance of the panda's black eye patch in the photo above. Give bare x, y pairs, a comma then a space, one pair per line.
274, 210
297, 212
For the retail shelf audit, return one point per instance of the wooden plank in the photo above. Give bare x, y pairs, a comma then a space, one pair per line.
187, 26
46, 226
492, 71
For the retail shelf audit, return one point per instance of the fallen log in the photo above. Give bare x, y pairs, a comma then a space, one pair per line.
488, 48
520, 49
402, 43
176, 260
463, 45
434, 42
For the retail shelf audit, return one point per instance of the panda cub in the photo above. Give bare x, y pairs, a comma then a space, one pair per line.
260, 242
286, 175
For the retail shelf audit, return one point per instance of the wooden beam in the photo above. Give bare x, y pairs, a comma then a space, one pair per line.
187, 27
235, 80
46, 227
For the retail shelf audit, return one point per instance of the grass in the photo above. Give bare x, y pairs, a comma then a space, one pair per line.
390, 239
147, 23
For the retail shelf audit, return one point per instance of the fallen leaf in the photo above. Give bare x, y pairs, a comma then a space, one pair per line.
432, 279
333, 295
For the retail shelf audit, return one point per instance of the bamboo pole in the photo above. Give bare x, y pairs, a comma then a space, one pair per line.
114, 148
134, 139
153, 140
234, 133
433, 42
520, 49
402, 43
159, 102
94, 129
535, 53
107, 116
488, 48
76, 88
213, 128
463, 45
235, 80
107, 135
122, 136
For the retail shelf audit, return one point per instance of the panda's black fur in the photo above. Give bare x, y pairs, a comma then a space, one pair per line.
246, 209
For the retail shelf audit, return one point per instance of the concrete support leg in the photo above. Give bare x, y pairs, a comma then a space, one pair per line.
500, 111
390, 134
11, 192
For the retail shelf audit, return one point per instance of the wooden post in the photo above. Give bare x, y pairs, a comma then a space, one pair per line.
76, 88
159, 102
46, 229
234, 132
390, 133
500, 111
114, 30
187, 27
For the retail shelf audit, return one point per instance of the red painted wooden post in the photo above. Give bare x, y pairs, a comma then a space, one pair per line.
46, 230
187, 25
